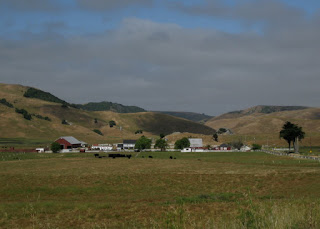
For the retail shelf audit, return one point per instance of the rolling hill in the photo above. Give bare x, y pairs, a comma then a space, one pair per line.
257, 123
47, 115
192, 116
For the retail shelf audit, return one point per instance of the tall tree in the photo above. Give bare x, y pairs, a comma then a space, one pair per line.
143, 143
161, 144
182, 143
291, 133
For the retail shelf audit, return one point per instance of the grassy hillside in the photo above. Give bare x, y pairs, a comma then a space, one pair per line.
81, 122
264, 128
196, 117
259, 110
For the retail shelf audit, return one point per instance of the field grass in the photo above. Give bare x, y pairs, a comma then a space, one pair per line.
195, 190
22, 142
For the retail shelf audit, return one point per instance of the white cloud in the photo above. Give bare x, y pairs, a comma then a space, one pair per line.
167, 67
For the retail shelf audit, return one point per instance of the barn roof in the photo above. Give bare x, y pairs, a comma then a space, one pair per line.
71, 140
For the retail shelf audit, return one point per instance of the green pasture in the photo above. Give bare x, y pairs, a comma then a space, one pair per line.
22, 143
195, 190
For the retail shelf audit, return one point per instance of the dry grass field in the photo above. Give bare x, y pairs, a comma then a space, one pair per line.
199, 190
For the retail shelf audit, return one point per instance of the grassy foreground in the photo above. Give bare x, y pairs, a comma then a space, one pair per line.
199, 190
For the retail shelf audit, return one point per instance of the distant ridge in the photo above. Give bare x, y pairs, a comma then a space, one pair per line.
261, 109
109, 106
196, 117
100, 106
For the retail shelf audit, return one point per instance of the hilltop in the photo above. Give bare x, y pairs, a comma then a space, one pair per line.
267, 119
47, 112
261, 109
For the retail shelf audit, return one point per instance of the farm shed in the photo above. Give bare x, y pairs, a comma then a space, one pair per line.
195, 142
69, 142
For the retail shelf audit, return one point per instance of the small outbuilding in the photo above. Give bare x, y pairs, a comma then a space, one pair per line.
129, 144
195, 142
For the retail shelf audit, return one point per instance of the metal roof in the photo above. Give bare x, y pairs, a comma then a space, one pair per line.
195, 142
71, 140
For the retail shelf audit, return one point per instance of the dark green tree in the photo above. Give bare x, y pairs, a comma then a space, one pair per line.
215, 137
55, 147
138, 132
182, 143
98, 132
112, 123
236, 144
290, 132
143, 143
162, 135
64, 122
161, 144
256, 147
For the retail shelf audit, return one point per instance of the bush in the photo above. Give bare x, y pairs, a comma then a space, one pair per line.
256, 147
98, 132
182, 143
64, 122
41, 117
6, 103
55, 147
25, 113
236, 144
143, 143
112, 123
139, 132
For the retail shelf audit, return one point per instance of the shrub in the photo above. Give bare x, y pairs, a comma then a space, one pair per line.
182, 143
139, 132
98, 132
55, 147
25, 113
112, 123
256, 147
41, 117
64, 122
143, 143
6, 103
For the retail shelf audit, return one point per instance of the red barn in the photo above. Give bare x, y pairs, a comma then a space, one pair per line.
69, 142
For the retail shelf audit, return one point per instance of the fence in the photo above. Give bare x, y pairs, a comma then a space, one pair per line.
292, 155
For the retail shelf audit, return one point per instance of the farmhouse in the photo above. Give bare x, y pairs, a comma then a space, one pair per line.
69, 142
104, 147
129, 144
222, 147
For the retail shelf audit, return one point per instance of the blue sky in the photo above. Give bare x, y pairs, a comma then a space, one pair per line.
202, 56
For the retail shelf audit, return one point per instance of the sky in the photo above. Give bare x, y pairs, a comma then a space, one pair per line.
205, 56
